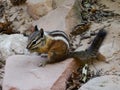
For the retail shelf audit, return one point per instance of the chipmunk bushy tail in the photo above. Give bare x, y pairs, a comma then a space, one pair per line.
92, 51
97, 41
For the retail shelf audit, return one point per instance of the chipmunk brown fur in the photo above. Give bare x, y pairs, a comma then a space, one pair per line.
56, 45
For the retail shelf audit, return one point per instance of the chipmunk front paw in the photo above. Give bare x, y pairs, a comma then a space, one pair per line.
42, 63
44, 55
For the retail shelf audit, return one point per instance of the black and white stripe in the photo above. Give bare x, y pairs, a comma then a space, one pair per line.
59, 35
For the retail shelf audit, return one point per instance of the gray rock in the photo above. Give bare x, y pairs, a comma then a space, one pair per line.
108, 82
62, 18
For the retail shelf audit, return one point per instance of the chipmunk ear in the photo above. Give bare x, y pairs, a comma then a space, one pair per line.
41, 32
36, 28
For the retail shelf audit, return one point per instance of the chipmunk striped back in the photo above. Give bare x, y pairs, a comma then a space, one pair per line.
38, 38
59, 35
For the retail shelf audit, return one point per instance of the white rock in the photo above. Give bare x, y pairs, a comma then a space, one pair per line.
110, 82
12, 44
23, 73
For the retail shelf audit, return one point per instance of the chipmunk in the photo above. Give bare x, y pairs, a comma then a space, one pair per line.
57, 47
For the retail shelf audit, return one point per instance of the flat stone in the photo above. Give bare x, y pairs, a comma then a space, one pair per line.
62, 18
23, 73
60, 83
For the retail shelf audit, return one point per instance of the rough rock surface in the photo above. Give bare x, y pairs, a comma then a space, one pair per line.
108, 82
39, 8
73, 17
59, 17
57, 3
18, 16
12, 44
23, 73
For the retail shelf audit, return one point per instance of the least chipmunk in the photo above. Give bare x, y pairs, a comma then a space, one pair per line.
56, 45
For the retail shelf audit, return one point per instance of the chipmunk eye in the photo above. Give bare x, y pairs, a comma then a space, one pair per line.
34, 42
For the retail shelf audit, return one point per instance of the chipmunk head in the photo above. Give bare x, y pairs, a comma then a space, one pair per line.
36, 40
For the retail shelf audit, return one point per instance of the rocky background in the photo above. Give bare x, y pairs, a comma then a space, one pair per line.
81, 20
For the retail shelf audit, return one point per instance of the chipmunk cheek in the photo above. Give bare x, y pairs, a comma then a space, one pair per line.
33, 49
43, 43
